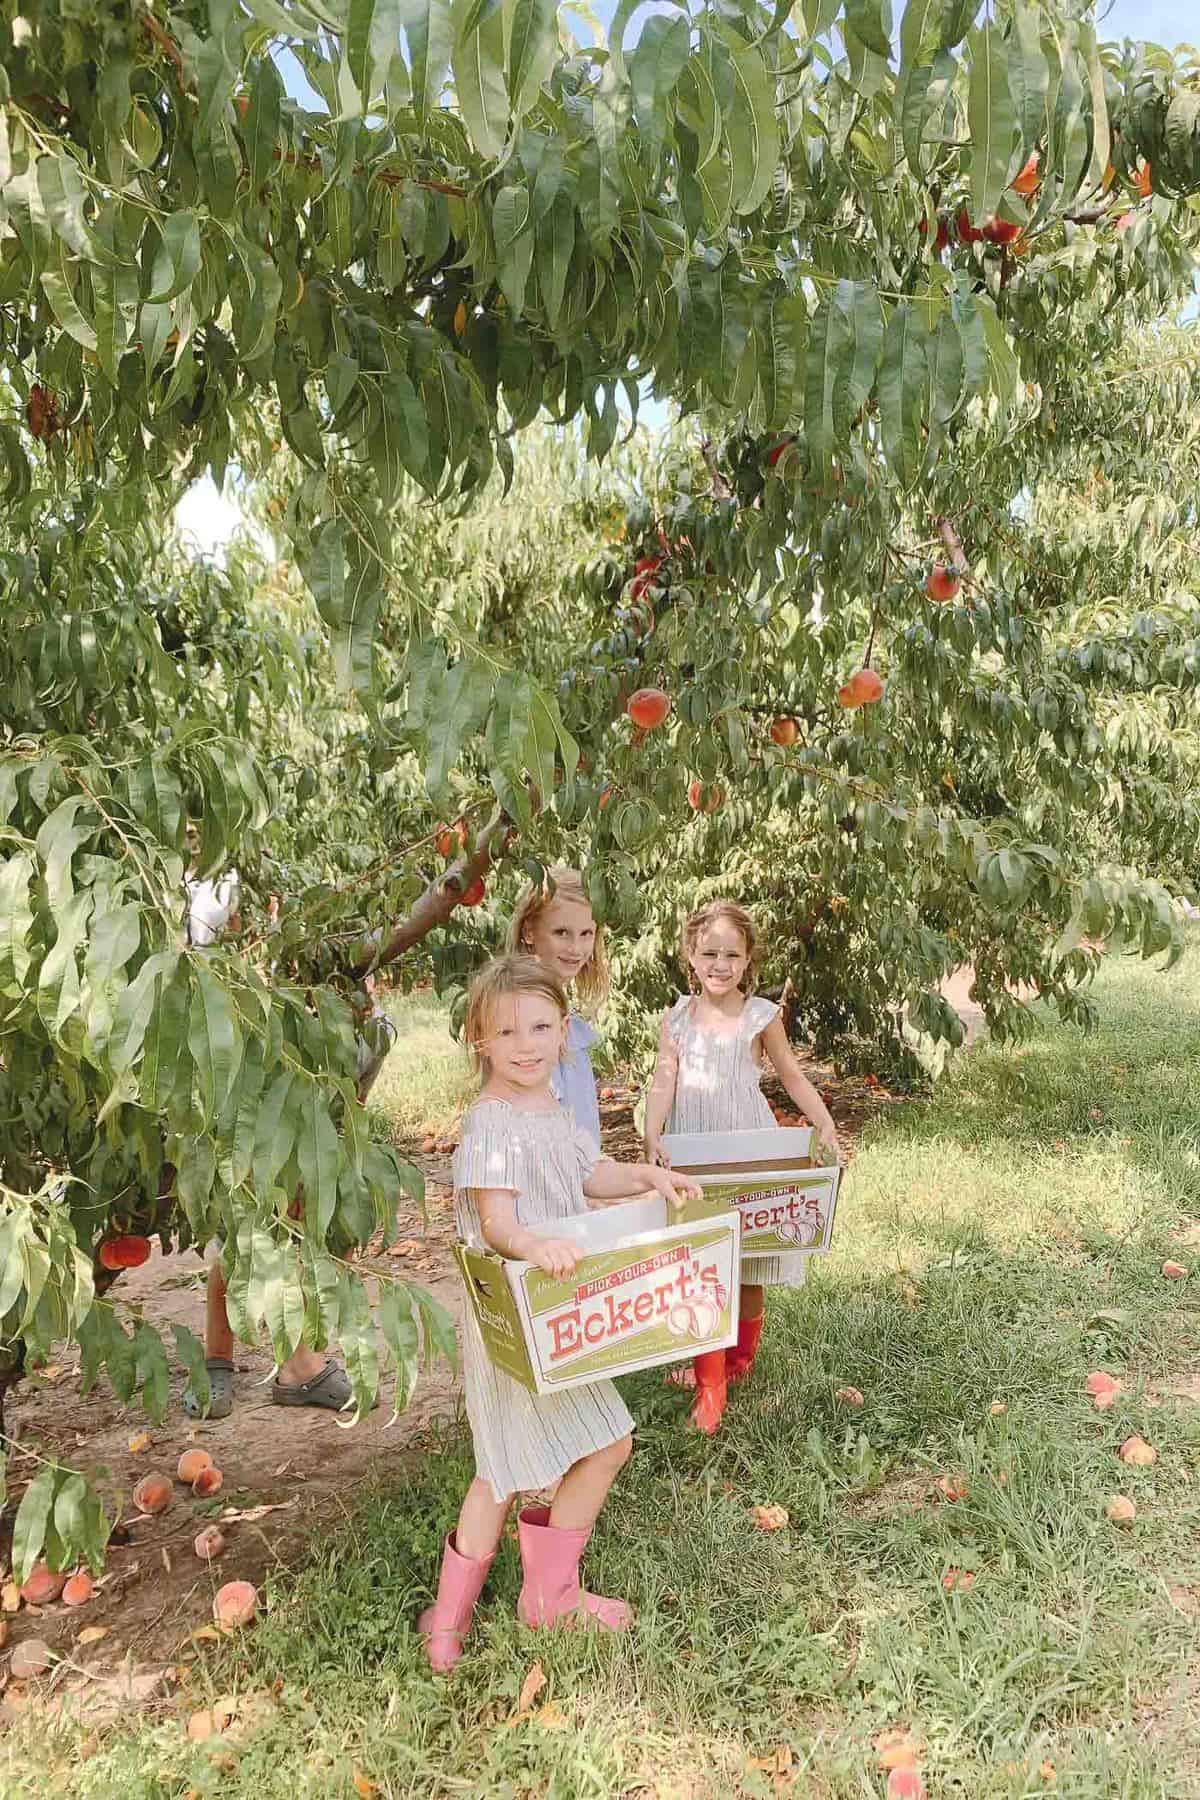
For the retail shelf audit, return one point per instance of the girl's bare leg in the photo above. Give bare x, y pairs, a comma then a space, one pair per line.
584, 1488
481, 1521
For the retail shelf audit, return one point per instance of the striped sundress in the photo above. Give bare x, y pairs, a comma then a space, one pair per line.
524, 1441
717, 1088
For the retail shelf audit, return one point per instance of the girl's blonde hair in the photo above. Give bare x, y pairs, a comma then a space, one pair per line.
504, 978
719, 912
592, 981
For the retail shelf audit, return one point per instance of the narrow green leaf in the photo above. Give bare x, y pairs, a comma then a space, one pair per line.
903, 383
530, 44
991, 119
477, 63
16, 920
751, 130
214, 1038
870, 21
56, 286
514, 245
177, 262
33, 1517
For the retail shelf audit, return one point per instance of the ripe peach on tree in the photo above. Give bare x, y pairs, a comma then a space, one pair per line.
648, 707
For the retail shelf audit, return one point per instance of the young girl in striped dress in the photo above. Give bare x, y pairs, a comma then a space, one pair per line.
522, 1164
554, 922
710, 1055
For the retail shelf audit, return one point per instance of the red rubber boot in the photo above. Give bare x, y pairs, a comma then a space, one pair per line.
709, 1409
740, 1360
551, 1592
445, 1624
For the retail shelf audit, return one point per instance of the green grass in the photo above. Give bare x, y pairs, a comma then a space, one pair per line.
996, 1242
427, 1079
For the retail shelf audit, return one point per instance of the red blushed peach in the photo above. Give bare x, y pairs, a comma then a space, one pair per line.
42, 1586
152, 1493
209, 1544
648, 707
79, 1589
208, 1482
190, 1464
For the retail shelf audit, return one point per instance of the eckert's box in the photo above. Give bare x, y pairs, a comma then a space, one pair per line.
786, 1205
655, 1286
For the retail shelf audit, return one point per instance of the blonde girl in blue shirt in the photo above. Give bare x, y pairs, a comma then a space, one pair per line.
554, 922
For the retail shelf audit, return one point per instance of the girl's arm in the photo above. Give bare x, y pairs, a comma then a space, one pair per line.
660, 1094
497, 1208
610, 1182
798, 1085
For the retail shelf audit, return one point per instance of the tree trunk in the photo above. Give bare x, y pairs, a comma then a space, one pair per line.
440, 898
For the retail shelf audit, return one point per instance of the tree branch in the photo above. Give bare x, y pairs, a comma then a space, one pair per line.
953, 544
720, 487
440, 897
164, 40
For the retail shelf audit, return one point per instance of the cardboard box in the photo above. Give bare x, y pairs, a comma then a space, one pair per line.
647, 1292
787, 1206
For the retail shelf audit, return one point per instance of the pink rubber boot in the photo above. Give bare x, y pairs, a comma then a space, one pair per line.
444, 1625
551, 1590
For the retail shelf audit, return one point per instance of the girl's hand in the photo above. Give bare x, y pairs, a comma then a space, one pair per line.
557, 1256
675, 1189
827, 1138
656, 1156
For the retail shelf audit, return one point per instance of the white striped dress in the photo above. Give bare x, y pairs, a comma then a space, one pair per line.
524, 1441
717, 1088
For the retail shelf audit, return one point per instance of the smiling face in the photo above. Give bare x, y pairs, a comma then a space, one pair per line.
522, 1041
719, 957
562, 936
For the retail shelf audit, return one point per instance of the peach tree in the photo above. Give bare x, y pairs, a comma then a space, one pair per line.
393, 237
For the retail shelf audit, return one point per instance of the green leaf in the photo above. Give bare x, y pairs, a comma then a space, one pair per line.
33, 1517
16, 920
530, 41
59, 990
274, 1133
751, 130
214, 1039
514, 245
177, 261
56, 286
317, 1154
263, 118
189, 1350
991, 120
462, 707
346, 585
1028, 78
477, 63
654, 70
62, 194
903, 381
427, 29
870, 21
555, 238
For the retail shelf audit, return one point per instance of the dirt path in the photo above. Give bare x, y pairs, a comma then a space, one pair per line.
300, 1466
